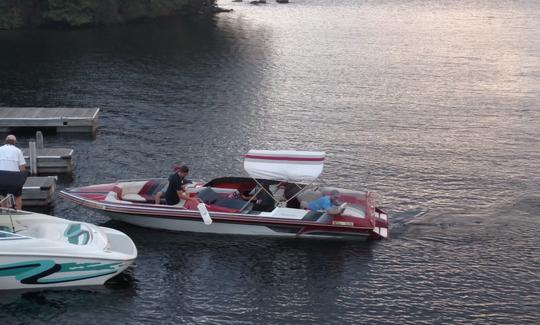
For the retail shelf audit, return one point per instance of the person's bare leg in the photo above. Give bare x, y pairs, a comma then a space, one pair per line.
157, 198
18, 202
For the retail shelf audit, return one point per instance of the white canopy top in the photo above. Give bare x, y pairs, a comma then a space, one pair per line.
284, 165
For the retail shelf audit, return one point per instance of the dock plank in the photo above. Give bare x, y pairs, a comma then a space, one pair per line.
64, 119
60, 153
14, 113
39, 182
51, 160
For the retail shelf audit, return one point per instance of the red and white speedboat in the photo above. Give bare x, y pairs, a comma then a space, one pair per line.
287, 177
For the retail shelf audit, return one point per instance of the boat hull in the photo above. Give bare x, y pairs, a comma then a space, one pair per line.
232, 228
39, 272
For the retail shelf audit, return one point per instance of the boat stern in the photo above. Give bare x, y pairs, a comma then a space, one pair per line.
359, 212
382, 224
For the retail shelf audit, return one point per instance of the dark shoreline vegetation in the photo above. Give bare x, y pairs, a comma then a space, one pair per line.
18, 14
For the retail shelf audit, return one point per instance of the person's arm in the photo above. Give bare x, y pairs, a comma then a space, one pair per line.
22, 162
247, 197
185, 196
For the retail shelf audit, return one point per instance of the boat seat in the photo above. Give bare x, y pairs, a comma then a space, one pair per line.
112, 196
133, 197
74, 233
131, 187
209, 196
46, 231
236, 204
288, 213
77, 234
139, 191
149, 190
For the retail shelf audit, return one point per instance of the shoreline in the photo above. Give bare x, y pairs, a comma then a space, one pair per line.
38, 15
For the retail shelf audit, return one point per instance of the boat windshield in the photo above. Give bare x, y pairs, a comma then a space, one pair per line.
4, 235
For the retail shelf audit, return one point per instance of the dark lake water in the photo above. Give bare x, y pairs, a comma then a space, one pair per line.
432, 105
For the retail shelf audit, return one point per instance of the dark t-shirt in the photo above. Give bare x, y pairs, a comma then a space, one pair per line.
175, 184
265, 202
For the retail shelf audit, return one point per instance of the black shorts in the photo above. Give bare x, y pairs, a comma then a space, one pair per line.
16, 192
12, 182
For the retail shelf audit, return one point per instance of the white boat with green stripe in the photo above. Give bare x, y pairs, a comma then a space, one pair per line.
41, 251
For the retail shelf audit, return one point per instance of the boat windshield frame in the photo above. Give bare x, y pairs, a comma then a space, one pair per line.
7, 235
279, 165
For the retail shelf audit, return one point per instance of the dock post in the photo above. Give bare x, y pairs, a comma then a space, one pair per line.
39, 140
32, 152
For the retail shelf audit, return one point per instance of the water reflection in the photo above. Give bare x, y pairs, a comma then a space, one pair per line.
22, 307
292, 273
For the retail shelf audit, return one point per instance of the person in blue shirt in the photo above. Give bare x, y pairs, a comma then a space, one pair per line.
324, 202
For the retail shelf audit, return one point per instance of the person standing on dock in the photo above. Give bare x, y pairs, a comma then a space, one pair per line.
12, 167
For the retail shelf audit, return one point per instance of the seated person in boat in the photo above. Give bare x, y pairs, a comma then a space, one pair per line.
325, 203
175, 191
159, 194
290, 194
163, 190
261, 197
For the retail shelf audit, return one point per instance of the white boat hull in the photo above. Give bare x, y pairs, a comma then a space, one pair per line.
40, 251
33, 272
177, 224
196, 226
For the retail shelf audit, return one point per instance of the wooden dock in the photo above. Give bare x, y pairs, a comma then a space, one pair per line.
51, 160
63, 119
38, 191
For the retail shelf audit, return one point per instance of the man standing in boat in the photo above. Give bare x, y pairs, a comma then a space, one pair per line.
175, 191
12, 170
